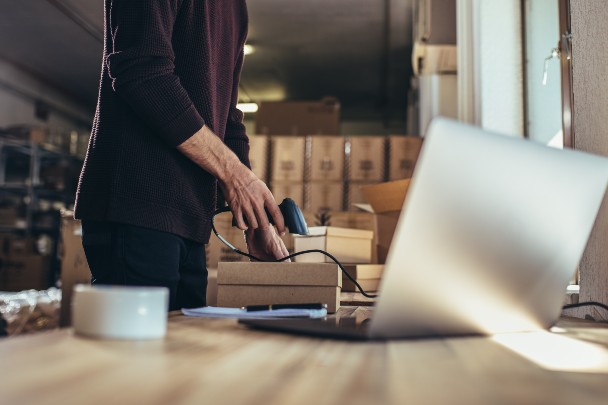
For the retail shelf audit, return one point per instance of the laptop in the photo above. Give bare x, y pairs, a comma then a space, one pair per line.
490, 234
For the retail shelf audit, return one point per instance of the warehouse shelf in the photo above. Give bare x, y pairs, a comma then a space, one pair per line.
36, 180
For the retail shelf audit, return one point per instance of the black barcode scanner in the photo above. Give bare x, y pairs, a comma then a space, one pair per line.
293, 217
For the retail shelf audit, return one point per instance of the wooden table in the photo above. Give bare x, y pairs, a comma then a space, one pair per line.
211, 361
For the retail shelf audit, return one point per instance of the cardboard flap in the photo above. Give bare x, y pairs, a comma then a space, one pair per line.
386, 197
336, 231
279, 274
364, 207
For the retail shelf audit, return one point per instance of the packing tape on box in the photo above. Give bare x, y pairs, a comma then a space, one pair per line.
120, 312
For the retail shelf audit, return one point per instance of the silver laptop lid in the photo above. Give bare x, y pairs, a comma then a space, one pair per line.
490, 234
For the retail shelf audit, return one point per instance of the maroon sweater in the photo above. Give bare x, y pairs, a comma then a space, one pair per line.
169, 67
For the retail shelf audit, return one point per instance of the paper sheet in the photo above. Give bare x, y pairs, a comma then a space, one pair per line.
221, 312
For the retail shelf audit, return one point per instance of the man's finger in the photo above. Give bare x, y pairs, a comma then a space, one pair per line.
276, 215
251, 219
262, 218
238, 217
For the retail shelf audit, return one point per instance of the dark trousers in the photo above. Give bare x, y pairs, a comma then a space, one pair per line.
121, 254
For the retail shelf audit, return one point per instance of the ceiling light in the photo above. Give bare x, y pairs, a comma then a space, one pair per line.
247, 107
248, 49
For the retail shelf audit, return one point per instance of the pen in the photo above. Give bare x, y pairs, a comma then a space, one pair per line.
252, 308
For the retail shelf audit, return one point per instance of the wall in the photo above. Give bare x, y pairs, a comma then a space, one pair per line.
500, 66
590, 88
490, 79
18, 92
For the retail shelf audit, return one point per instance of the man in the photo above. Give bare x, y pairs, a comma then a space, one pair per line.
166, 133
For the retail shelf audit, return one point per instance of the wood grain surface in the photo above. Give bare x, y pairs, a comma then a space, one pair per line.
214, 361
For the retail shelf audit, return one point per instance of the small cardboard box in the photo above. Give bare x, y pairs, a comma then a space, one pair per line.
367, 275
385, 202
288, 154
403, 155
325, 196
346, 245
299, 117
255, 283
74, 265
327, 158
366, 158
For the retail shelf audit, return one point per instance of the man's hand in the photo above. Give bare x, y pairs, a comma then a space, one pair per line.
265, 244
249, 198
246, 195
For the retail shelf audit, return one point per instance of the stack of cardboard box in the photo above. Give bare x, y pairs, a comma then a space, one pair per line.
326, 174
258, 155
329, 177
403, 153
287, 170
243, 284
366, 165
362, 246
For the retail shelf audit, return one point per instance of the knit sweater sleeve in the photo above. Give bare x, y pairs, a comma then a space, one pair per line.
141, 66
236, 135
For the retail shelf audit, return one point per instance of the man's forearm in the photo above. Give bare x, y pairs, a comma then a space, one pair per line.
206, 150
247, 196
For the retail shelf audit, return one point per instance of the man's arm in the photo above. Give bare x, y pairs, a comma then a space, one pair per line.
141, 66
246, 195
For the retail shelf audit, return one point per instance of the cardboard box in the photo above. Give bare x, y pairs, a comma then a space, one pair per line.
299, 117
327, 158
403, 155
366, 158
325, 196
385, 202
74, 265
386, 197
356, 220
288, 158
255, 283
346, 245
367, 275
258, 155
292, 189
26, 272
